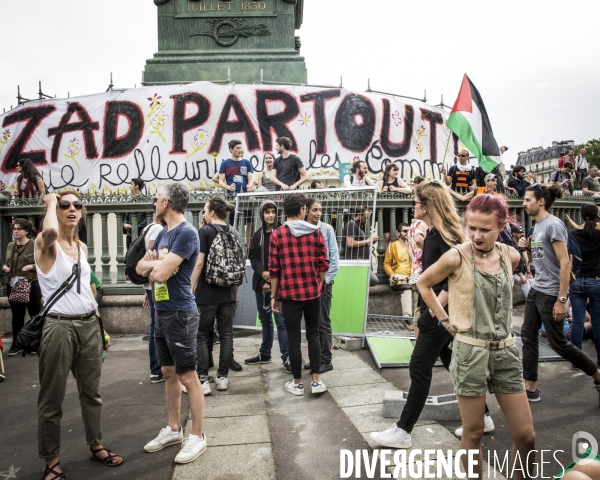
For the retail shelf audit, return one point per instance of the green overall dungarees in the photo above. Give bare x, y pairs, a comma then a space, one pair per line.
476, 368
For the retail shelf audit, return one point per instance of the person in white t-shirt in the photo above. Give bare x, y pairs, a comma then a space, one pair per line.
359, 176
156, 375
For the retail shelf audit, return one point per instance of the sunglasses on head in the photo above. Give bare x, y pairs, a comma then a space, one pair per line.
539, 187
65, 205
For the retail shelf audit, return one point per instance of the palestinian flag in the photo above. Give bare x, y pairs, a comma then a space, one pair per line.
470, 122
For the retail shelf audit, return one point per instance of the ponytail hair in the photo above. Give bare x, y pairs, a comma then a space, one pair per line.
550, 194
589, 214
221, 207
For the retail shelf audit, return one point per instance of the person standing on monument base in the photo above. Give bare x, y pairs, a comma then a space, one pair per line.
236, 173
547, 299
288, 170
169, 266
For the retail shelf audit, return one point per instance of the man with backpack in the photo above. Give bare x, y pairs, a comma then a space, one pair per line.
562, 177
261, 284
219, 270
550, 246
460, 177
359, 176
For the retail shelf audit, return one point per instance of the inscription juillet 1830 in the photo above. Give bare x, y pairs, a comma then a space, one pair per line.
225, 6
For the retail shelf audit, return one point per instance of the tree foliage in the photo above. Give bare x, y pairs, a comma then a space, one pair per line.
592, 148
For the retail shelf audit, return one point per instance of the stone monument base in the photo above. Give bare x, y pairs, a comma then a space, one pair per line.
176, 67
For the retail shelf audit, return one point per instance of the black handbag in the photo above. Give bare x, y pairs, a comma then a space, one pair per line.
30, 336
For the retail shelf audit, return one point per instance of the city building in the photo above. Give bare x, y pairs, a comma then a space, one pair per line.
544, 161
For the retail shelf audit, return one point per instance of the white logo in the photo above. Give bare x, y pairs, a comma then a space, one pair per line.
580, 443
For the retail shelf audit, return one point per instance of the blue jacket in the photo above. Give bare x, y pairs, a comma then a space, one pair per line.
332, 250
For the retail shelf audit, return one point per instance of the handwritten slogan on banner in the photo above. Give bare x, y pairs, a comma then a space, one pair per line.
101, 142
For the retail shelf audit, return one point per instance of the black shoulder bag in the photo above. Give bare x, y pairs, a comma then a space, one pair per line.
30, 336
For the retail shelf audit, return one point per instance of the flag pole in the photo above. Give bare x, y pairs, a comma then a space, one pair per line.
447, 144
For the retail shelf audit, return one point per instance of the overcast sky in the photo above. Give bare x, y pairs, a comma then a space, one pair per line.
534, 62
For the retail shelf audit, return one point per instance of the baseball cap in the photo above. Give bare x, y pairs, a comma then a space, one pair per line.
516, 228
489, 176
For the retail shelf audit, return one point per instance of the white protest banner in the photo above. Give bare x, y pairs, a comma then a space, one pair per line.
180, 132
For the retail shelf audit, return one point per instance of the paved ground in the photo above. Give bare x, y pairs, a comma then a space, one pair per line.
256, 430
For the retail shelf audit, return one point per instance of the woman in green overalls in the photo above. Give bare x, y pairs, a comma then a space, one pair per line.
484, 357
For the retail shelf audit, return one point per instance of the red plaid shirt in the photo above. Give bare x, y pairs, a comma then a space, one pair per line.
297, 261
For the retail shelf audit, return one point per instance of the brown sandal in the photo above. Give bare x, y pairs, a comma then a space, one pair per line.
50, 470
108, 461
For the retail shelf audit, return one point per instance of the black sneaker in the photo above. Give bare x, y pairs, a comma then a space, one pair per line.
258, 358
533, 396
307, 366
157, 378
287, 365
235, 366
14, 351
326, 367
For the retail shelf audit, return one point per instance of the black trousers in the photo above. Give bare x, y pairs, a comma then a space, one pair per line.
538, 310
433, 342
18, 309
292, 315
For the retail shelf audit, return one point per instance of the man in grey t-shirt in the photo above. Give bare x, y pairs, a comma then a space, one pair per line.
546, 302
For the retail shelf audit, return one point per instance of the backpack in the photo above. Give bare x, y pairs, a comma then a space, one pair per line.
225, 261
136, 252
574, 251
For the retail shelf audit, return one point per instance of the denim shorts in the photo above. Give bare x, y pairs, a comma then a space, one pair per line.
175, 339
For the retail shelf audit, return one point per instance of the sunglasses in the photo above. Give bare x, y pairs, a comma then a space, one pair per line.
404, 231
539, 187
65, 205
462, 155
414, 202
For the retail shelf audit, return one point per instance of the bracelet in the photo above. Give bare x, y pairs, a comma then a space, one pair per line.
447, 319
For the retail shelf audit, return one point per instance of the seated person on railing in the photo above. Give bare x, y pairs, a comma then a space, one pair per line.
391, 182
359, 176
460, 177
518, 182
236, 173
397, 266
491, 182
562, 177
357, 243
29, 181
590, 185
288, 170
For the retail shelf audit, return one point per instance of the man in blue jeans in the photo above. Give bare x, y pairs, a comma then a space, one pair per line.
261, 284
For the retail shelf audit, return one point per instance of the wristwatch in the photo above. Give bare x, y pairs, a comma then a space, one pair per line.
562, 299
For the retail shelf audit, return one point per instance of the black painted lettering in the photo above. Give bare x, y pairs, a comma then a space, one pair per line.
33, 116
241, 125
355, 123
276, 123
181, 124
434, 119
319, 99
84, 124
393, 149
118, 146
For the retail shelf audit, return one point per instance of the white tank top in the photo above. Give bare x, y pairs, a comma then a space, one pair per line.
71, 303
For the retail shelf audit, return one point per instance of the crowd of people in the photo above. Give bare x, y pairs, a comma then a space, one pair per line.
454, 277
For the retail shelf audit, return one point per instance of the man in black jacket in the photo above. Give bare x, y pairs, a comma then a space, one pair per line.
261, 284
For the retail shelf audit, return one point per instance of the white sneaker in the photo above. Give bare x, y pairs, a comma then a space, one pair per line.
183, 389
318, 387
296, 389
192, 448
393, 437
206, 388
221, 383
164, 439
487, 427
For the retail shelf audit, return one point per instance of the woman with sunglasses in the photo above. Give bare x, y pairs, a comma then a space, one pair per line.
72, 339
435, 207
20, 263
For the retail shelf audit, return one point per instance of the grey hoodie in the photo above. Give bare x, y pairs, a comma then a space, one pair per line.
299, 228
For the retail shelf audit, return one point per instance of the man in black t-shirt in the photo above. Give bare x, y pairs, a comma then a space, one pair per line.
288, 170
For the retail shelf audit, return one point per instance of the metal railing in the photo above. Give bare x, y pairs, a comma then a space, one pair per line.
107, 246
